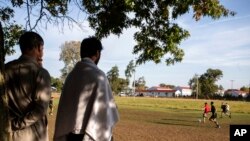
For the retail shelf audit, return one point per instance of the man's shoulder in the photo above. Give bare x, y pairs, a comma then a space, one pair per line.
11, 63
44, 71
94, 67
100, 72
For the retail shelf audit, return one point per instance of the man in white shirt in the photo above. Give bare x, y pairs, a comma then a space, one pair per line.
87, 110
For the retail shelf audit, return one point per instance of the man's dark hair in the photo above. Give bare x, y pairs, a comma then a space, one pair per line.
90, 46
30, 40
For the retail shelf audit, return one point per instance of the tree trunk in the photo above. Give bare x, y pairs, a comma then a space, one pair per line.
4, 124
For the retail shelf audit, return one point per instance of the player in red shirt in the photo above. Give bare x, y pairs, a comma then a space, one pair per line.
206, 111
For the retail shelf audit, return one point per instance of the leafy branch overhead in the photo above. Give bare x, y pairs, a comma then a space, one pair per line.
158, 35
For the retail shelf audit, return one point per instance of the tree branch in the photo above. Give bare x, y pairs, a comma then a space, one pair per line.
40, 15
28, 12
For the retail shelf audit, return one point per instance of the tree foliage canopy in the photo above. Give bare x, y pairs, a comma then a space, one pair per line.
245, 89
70, 55
36, 11
206, 82
117, 84
57, 83
167, 85
130, 69
140, 84
158, 35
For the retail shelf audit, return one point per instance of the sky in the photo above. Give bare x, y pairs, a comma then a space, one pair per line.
217, 44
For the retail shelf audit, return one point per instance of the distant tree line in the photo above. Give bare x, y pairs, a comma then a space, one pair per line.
57, 83
205, 86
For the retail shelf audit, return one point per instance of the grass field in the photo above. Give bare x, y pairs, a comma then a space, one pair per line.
169, 119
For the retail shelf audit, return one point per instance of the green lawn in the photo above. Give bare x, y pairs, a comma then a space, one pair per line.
162, 104
163, 119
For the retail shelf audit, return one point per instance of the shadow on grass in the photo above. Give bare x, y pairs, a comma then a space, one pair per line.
185, 120
180, 122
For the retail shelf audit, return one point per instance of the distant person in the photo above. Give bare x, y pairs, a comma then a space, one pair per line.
228, 110
213, 117
51, 105
225, 110
206, 111
86, 111
28, 91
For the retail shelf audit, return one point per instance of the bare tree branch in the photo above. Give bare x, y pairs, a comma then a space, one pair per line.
28, 12
40, 16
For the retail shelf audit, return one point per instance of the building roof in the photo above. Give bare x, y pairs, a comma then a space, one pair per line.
159, 88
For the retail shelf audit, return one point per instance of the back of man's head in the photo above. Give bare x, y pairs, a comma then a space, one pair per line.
30, 40
90, 46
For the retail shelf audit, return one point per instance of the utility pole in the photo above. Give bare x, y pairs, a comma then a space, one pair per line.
232, 84
134, 84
